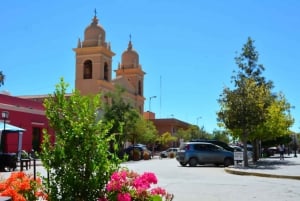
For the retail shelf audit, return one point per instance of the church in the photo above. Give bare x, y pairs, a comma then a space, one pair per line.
93, 75
94, 67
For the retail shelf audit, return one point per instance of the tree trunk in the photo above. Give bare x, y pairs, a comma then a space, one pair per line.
255, 150
245, 151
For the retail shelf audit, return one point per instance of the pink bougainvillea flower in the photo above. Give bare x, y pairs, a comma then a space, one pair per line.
124, 197
126, 185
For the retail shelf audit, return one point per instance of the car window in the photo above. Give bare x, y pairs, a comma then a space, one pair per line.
200, 147
212, 147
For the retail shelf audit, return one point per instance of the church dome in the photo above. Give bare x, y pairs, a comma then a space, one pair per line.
130, 58
94, 34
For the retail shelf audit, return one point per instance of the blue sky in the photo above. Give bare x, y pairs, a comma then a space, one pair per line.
186, 48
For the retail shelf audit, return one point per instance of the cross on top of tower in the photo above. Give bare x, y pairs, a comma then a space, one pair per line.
95, 11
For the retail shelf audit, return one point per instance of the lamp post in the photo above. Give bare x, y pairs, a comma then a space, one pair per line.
4, 115
198, 119
151, 97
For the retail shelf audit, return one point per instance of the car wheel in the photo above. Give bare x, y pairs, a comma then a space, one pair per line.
227, 162
182, 164
193, 162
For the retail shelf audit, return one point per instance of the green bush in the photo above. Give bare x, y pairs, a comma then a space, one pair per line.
82, 159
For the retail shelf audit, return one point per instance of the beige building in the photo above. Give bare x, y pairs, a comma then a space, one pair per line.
93, 74
94, 67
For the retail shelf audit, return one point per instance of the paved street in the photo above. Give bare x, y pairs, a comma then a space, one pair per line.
213, 183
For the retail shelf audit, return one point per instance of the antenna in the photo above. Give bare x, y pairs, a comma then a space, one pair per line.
160, 86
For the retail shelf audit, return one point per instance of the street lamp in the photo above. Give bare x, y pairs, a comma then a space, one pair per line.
151, 97
198, 119
5, 115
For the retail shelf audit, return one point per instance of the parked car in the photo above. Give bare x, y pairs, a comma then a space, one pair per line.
194, 153
271, 151
137, 152
216, 142
166, 153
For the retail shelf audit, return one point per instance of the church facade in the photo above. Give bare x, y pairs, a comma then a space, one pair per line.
93, 75
93, 67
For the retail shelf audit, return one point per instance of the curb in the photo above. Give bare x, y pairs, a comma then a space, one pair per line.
244, 173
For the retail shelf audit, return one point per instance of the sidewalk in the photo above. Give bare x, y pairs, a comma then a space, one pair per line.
289, 168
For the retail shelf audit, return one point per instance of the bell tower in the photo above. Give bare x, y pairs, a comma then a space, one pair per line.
131, 70
93, 61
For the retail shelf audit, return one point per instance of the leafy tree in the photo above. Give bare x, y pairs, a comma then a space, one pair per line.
193, 132
140, 130
146, 131
116, 111
278, 120
79, 163
182, 134
2, 78
198, 133
121, 113
248, 66
243, 109
166, 139
220, 136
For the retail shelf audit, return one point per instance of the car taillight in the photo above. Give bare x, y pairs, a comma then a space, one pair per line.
187, 147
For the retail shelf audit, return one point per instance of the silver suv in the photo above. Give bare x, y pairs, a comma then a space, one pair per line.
194, 153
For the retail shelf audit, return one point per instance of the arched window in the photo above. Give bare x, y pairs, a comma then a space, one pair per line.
140, 88
87, 69
106, 77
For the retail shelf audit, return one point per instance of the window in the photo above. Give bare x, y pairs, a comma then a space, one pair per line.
212, 147
140, 88
87, 69
106, 77
200, 147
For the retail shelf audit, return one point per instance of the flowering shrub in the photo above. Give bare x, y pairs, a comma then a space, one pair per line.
126, 185
22, 187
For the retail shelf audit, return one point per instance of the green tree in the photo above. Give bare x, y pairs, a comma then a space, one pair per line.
122, 115
183, 135
79, 162
192, 132
166, 139
147, 132
2, 78
198, 133
243, 109
220, 136
116, 111
140, 130
278, 120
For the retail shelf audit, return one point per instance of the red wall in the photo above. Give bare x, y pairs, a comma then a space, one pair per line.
26, 114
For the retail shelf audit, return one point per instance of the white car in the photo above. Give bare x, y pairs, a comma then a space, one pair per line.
166, 153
